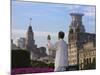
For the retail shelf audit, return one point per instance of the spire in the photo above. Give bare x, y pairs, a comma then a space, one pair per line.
30, 21
30, 27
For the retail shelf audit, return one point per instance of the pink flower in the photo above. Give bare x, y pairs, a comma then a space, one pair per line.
31, 70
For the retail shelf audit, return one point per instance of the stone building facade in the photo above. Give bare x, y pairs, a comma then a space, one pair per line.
87, 55
75, 27
80, 43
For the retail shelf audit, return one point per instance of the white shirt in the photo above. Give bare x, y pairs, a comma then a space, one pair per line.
61, 58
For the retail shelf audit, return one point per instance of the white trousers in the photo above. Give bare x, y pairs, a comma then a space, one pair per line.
60, 69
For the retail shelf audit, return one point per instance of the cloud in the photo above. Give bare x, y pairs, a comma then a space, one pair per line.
17, 33
90, 11
39, 8
36, 33
90, 14
72, 7
39, 36
87, 10
36, 9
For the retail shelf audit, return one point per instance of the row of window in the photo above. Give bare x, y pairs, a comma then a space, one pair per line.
87, 61
72, 61
72, 45
72, 51
72, 56
90, 53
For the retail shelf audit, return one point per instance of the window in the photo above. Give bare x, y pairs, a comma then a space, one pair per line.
89, 60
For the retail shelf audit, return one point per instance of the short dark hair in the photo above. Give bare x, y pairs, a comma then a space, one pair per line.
61, 35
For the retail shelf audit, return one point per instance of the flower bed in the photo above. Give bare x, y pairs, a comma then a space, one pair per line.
31, 70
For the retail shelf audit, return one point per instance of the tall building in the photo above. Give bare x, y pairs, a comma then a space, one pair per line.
78, 39
31, 46
21, 43
30, 42
75, 27
13, 46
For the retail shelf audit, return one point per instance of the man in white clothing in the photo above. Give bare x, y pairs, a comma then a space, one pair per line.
61, 58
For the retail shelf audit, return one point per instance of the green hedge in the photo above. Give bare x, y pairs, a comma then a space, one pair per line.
36, 63
20, 58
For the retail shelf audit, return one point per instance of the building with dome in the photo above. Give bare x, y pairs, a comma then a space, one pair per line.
81, 44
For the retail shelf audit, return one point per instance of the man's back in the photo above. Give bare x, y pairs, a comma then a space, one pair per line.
61, 59
61, 53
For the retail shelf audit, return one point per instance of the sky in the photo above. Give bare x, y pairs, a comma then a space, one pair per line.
47, 18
